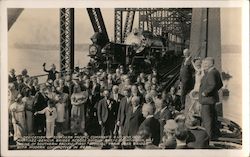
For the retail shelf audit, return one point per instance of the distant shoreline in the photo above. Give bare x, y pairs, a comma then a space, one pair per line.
50, 47
85, 46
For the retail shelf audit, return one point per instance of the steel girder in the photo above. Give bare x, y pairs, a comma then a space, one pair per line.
172, 22
97, 21
66, 40
118, 26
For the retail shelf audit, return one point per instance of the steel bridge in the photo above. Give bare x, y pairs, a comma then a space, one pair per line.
198, 29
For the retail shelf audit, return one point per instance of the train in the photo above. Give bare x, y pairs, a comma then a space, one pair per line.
142, 50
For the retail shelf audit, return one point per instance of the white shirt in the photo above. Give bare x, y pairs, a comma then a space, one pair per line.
115, 96
128, 99
163, 109
135, 108
50, 114
149, 116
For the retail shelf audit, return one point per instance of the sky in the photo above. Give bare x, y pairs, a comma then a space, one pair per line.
41, 26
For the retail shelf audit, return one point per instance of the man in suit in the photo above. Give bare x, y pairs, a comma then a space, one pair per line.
174, 99
151, 123
162, 115
134, 117
131, 73
105, 113
39, 104
116, 97
123, 109
208, 97
135, 92
95, 94
186, 76
117, 77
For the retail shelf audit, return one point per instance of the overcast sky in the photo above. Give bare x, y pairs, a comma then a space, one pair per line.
41, 26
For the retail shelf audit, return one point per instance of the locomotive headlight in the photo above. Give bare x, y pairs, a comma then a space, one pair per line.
93, 50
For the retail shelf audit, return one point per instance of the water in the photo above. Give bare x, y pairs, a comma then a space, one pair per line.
232, 107
33, 60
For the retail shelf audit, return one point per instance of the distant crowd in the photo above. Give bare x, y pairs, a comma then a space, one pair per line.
122, 103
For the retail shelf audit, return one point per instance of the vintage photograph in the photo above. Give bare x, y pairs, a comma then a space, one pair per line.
124, 78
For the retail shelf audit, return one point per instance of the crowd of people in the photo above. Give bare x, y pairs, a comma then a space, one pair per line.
122, 103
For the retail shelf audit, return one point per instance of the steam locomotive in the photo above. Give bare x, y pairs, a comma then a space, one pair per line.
142, 50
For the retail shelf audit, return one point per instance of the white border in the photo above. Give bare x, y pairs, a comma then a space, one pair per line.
112, 4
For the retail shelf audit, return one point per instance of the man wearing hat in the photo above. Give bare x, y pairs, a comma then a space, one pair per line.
169, 141
12, 76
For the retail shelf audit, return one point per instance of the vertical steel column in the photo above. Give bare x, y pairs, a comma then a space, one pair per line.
214, 36
198, 36
149, 20
205, 37
141, 20
118, 26
66, 40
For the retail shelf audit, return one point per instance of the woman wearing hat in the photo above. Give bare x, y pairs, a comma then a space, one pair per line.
17, 110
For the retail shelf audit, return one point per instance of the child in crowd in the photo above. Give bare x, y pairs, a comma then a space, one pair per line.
50, 114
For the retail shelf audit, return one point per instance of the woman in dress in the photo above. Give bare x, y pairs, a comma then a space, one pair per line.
28, 101
78, 100
195, 106
18, 118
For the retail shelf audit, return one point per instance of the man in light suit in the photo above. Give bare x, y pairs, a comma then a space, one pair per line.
186, 76
134, 118
105, 113
208, 97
